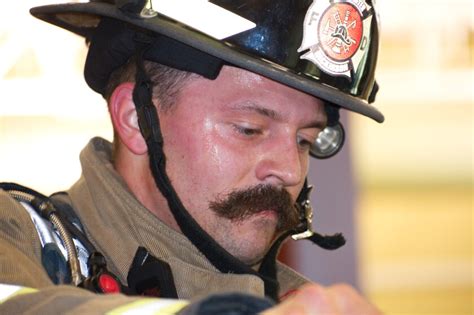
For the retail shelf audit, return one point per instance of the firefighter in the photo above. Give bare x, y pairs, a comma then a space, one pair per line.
217, 108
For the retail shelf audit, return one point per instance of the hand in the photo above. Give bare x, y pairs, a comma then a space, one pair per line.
314, 299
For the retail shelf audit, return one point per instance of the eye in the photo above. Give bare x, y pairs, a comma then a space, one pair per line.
246, 131
304, 144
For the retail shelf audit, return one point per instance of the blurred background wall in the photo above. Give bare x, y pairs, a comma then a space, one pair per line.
415, 215
402, 191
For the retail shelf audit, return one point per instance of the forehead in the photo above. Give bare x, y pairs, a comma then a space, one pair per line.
235, 86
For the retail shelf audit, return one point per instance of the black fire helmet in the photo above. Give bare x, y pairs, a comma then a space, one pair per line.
325, 48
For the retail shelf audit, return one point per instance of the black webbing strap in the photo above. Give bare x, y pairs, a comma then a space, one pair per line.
150, 276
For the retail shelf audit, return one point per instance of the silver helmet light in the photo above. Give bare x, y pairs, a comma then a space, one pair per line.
329, 141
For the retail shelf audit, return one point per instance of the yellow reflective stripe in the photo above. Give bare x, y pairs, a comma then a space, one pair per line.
8, 291
150, 306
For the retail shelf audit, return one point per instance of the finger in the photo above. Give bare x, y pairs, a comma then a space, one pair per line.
350, 302
310, 299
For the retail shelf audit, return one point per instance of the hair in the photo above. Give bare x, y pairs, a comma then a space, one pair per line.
166, 81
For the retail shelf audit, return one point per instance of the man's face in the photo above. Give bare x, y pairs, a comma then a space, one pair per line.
237, 153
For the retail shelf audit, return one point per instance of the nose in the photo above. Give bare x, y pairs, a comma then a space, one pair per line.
281, 164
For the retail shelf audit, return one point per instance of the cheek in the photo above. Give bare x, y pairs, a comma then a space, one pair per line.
212, 149
225, 164
203, 158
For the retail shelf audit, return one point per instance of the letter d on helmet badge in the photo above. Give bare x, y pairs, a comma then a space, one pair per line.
336, 35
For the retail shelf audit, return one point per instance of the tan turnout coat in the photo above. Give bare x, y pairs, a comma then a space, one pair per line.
117, 224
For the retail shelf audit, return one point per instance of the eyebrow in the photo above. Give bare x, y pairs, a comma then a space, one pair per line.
253, 107
270, 113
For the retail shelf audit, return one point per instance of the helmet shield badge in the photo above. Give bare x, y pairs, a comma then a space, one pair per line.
336, 36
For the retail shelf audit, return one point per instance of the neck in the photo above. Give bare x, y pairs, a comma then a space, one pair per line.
136, 173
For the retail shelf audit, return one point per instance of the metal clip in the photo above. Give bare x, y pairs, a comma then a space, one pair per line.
308, 218
147, 11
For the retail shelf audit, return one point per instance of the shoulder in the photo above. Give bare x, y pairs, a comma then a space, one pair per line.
20, 245
15, 221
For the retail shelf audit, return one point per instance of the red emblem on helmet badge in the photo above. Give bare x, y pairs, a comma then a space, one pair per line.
337, 34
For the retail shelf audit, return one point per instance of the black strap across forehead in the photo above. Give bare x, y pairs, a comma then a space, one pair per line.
114, 42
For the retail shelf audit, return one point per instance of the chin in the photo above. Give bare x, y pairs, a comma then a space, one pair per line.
252, 249
248, 240
252, 260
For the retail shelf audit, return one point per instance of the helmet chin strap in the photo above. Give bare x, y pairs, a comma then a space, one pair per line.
149, 124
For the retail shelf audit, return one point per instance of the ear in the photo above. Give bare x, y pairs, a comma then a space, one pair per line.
124, 118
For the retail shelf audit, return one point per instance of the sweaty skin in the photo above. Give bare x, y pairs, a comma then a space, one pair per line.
236, 132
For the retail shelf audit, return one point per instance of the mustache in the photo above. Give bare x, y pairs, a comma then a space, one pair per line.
241, 204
